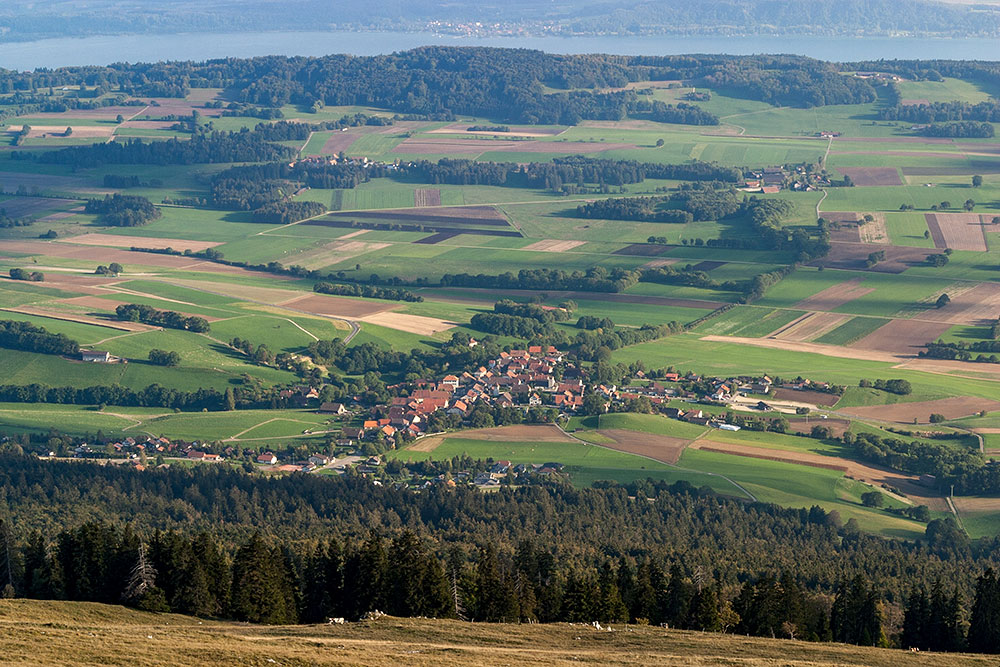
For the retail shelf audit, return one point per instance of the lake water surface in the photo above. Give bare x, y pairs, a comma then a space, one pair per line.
201, 46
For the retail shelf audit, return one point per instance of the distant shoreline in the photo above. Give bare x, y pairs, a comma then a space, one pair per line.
104, 50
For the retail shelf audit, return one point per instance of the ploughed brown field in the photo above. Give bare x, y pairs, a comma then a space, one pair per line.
902, 337
853, 256
643, 249
814, 397
657, 447
21, 207
872, 176
835, 296
951, 408
976, 306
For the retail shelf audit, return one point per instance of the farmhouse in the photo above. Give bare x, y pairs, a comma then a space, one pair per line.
333, 409
95, 356
267, 458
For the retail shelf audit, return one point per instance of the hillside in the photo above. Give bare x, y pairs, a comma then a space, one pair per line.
65, 633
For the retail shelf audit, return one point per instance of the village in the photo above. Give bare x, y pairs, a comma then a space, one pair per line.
533, 385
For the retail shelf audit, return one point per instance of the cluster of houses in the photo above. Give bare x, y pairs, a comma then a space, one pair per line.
526, 378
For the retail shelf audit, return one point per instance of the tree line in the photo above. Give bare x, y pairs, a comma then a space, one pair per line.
17, 335
137, 312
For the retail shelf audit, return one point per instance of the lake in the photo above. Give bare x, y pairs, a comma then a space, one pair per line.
201, 46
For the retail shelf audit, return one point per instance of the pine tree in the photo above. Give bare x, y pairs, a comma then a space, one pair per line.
610, 607
915, 620
262, 590
678, 598
984, 623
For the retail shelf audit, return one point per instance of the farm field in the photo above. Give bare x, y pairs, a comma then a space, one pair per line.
420, 253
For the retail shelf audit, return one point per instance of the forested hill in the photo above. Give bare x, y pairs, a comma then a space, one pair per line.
20, 19
515, 85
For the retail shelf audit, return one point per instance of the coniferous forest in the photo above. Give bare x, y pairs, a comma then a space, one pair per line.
215, 541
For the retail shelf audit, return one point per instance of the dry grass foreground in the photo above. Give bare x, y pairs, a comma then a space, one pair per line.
76, 633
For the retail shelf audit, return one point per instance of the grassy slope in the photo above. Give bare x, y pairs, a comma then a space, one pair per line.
63, 633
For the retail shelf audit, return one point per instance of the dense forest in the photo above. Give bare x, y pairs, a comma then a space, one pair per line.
502, 84
216, 541
122, 210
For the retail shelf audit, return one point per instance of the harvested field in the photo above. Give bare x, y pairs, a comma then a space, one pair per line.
351, 235
976, 306
332, 253
874, 231
814, 397
875, 475
708, 265
339, 142
835, 296
121, 241
337, 306
853, 256
810, 326
958, 231
951, 408
872, 176
946, 170
21, 207
657, 447
846, 233
417, 324
643, 249
901, 337
165, 106
83, 319
437, 238
973, 504
427, 197
811, 348
515, 131
657, 263
553, 245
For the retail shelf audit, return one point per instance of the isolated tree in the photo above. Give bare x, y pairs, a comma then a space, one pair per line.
872, 499
942, 301
969, 205
659, 143
977, 181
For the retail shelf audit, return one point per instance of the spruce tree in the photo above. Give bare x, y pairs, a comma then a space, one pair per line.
984, 623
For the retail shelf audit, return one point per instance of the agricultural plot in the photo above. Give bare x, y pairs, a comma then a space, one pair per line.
958, 231
903, 337
851, 331
920, 411
835, 296
810, 326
